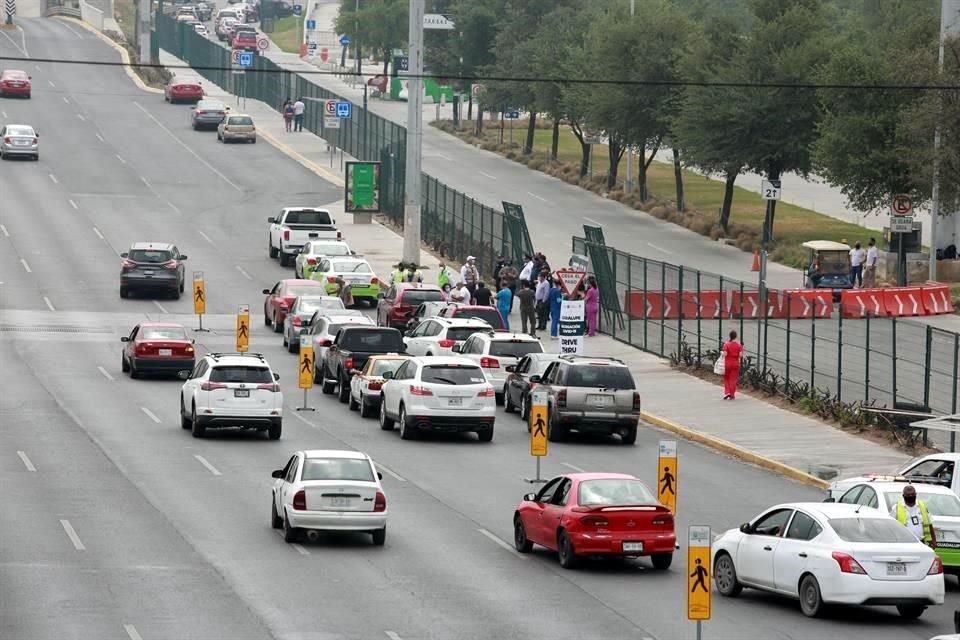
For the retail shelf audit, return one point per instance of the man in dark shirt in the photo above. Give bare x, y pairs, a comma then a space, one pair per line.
482, 296
527, 295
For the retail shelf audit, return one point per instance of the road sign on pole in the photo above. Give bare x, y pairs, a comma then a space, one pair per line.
344, 109
199, 295
538, 424
305, 371
263, 44
438, 21
298, 10
902, 205
311, 25
668, 474
571, 328
345, 41
330, 107
770, 189
698, 573
245, 59
235, 56
570, 280
243, 328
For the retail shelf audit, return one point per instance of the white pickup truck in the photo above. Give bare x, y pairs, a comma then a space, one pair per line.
295, 227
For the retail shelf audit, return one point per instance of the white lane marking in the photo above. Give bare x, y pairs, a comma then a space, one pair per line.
26, 267
212, 469
49, 304
106, 374
100, 137
393, 474
440, 155
487, 175
54, 178
573, 466
303, 420
160, 306
4, 230
72, 534
73, 204
245, 274
192, 152
592, 220
205, 236
300, 549
65, 99
122, 161
660, 249
51, 83
393, 635
150, 414
145, 181
23, 49
533, 195
501, 543
132, 632
4, 114
26, 461
74, 31
99, 235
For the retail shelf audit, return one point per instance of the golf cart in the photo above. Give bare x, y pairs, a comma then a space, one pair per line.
828, 266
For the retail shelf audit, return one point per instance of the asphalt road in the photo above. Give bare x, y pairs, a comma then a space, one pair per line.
123, 526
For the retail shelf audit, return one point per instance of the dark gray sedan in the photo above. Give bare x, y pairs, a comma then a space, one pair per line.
208, 114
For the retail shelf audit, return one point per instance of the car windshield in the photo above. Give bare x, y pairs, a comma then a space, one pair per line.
153, 256
490, 316
452, 374
600, 376
240, 373
538, 366
19, 131
241, 120
871, 530
614, 491
336, 469
329, 249
309, 305
381, 341
163, 333
462, 333
351, 267
211, 105
514, 348
414, 297
308, 217
298, 290
15, 75
938, 504
382, 366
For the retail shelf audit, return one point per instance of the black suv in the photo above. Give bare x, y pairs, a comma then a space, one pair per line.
152, 266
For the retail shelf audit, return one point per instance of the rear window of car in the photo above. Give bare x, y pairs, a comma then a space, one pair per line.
601, 376
938, 504
336, 469
462, 333
19, 131
372, 340
518, 349
871, 530
309, 306
614, 492
241, 120
329, 250
308, 217
414, 297
333, 328
150, 256
211, 106
351, 267
382, 366
15, 75
302, 290
163, 333
452, 374
490, 316
240, 373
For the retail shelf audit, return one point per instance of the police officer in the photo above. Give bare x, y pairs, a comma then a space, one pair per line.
912, 513
412, 274
396, 276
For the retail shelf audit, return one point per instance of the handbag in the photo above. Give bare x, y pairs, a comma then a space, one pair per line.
719, 366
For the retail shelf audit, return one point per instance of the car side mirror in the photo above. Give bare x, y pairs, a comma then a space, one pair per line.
456, 348
183, 375
535, 378
125, 339
276, 377
379, 476
272, 220
277, 473
124, 254
511, 368
746, 528
266, 291
355, 372
530, 497
183, 257
388, 375
830, 499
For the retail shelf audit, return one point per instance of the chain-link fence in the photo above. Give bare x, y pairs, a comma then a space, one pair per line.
453, 223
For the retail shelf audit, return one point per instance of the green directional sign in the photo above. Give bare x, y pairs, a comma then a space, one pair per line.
362, 187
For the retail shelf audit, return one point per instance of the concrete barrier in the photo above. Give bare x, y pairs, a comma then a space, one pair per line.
91, 15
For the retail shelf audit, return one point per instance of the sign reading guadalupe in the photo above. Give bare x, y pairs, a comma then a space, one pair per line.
362, 187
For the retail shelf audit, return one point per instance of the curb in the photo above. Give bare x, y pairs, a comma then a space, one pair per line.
123, 54
736, 451
312, 166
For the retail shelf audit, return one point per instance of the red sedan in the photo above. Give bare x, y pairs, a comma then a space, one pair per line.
157, 347
280, 299
14, 82
596, 514
183, 89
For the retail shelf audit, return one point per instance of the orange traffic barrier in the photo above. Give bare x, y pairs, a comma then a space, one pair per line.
746, 304
706, 305
936, 298
652, 305
756, 261
808, 303
903, 301
860, 303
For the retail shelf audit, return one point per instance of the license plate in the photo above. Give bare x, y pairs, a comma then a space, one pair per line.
896, 569
22, 143
148, 273
341, 502
633, 546
600, 401
166, 352
455, 402
241, 393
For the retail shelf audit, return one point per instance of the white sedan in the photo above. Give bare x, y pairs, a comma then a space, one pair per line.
828, 553
314, 251
329, 490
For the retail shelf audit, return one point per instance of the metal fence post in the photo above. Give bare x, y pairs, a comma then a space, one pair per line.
787, 358
839, 351
720, 318
813, 350
866, 363
699, 315
953, 403
741, 314
645, 314
663, 321
680, 312
630, 316
766, 326
893, 357
926, 377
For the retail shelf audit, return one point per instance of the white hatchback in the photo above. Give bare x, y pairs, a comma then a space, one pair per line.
824, 553
329, 490
495, 351
439, 394
438, 336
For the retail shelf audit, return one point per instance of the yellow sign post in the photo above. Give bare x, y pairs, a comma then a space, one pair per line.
538, 424
199, 297
698, 574
243, 328
305, 371
667, 474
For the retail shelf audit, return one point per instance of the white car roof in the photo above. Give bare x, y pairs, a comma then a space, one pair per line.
444, 360
335, 453
467, 323
232, 361
522, 337
897, 486
829, 510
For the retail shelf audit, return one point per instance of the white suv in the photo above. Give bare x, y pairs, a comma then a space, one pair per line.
438, 336
232, 390
495, 351
438, 394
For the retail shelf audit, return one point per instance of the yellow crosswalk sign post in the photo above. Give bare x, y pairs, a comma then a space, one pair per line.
305, 371
667, 474
199, 297
698, 574
538, 425
243, 328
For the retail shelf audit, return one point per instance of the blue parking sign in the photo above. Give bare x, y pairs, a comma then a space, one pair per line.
246, 59
344, 109
345, 41
311, 25
297, 9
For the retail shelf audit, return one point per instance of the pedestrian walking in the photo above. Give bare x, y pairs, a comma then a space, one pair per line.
299, 108
470, 275
592, 306
857, 257
542, 298
912, 513
731, 352
287, 111
555, 300
528, 316
504, 300
482, 296
343, 292
870, 265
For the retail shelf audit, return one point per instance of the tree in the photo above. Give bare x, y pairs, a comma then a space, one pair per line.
380, 24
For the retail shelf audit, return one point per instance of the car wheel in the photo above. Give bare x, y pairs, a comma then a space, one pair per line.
524, 409
184, 420
343, 393
508, 405
254, 141
176, 294
290, 534
379, 537
485, 435
555, 432
293, 347
565, 551
365, 409
811, 603
124, 292
386, 423
275, 520
219, 137
911, 611
327, 386
181, 287
277, 325
266, 318
124, 367
284, 260
498, 398
725, 576
198, 429
276, 429
631, 436
520, 540
352, 404
272, 251
661, 561
133, 371
407, 431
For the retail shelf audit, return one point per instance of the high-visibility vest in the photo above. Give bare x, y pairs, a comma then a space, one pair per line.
397, 276
444, 278
924, 516
416, 276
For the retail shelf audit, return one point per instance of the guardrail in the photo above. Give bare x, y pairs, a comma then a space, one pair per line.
58, 10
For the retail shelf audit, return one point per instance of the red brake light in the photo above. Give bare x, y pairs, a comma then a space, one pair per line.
143, 347
636, 401
210, 386
848, 564
562, 398
129, 264
339, 236
375, 386
296, 321
273, 386
300, 500
348, 363
325, 343
594, 521
374, 281
311, 261
420, 391
488, 392
170, 264
489, 363
331, 279
380, 502
664, 519
936, 567
446, 344
286, 233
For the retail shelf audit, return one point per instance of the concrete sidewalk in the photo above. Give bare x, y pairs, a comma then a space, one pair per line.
747, 428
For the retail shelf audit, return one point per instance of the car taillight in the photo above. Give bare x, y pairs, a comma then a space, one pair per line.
210, 386
487, 393
489, 363
595, 521
201, 113
420, 391
446, 344
273, 386
664, 519
325, 343
374, 281
562, 398
331, 279
300, 500
144, 347
636, 401
348, 363
311, 261
380, 502
936, 567
188, 349
339, 236
296, 321
286, 233
129, 264
847, 563
35, 141
375, 386
284, 307
171, 264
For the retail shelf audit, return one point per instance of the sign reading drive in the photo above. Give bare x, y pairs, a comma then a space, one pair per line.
572, 320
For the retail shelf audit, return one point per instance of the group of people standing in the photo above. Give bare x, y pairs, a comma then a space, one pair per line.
863, 265
293, 112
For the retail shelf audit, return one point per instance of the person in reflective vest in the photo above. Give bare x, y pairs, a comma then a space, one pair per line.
912, 513
412, 274
396, 276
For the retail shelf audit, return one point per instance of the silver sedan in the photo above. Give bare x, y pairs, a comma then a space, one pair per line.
19, 140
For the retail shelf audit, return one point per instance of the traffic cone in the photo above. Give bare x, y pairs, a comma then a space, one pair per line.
756, 261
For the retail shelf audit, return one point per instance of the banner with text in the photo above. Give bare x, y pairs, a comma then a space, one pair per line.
571, 329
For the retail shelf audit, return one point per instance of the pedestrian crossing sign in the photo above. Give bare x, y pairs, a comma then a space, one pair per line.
199, 294
667, 474
539, 424
243, 328
699, 540
306, 362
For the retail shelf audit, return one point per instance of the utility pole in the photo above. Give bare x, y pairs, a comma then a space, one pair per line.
144, 31
949, 26
356, 35
411, 205
628, 187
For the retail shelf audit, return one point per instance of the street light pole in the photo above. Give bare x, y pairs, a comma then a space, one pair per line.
356, 34
628, 187
411, 205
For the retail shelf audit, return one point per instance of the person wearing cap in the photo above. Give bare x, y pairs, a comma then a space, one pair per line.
911, 512
412, 274
469, 275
